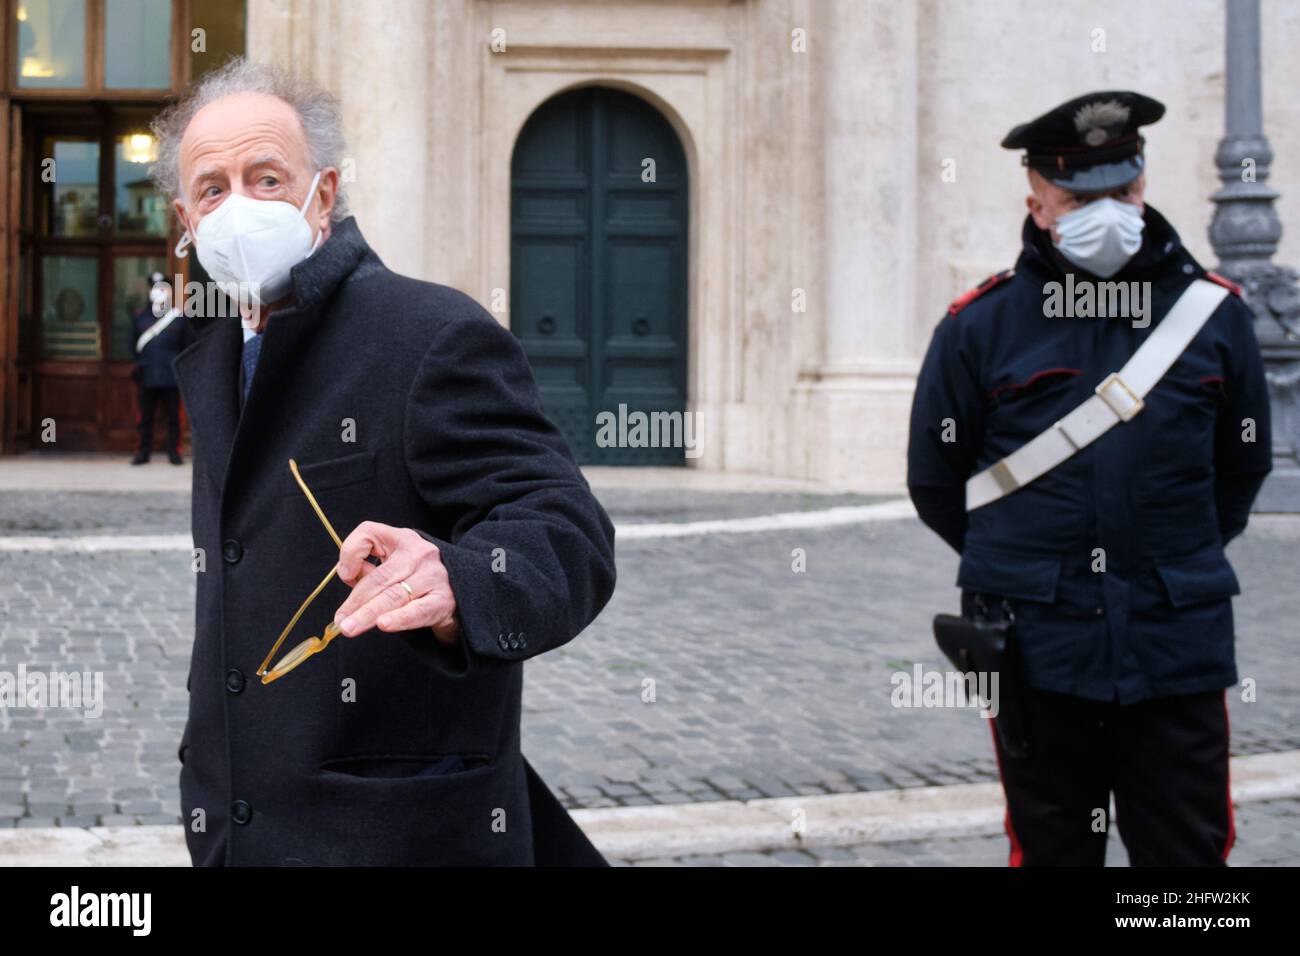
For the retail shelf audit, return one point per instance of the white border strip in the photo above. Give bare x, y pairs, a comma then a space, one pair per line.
784, 521
96, 544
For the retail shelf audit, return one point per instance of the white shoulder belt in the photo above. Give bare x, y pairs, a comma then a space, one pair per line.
156, 329
1117, 399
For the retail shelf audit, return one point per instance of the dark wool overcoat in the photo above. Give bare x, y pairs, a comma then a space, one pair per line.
403, 402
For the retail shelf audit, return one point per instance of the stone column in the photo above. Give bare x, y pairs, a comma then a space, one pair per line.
373, 57
870, 172
1245, 232
860, 392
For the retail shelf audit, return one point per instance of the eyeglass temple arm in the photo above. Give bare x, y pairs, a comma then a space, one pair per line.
293, 466
289, 627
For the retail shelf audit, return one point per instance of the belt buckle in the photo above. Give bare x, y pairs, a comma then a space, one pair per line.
1125, 409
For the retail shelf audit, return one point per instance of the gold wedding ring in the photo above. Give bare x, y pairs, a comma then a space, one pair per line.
410, 595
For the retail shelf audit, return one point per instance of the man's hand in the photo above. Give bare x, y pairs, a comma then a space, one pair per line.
378, 596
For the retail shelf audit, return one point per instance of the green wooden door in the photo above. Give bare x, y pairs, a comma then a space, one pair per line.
598, 269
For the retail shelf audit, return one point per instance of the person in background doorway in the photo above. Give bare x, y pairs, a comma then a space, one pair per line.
158, 338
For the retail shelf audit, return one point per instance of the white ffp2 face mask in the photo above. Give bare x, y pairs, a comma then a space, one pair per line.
255, 243
1101, 236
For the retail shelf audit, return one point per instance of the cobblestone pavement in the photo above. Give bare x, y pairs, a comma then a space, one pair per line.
766, 682
771, 683
1268, 834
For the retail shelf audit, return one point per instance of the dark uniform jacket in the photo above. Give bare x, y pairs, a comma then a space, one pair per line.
154, 363
1160, 495
450, 440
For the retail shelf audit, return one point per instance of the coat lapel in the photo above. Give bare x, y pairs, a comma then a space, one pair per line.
208, 371
208, 375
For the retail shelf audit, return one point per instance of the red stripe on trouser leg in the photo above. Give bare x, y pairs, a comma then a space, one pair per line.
1232, 823
1017, 855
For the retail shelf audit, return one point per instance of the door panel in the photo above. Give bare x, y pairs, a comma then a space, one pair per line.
70, 320
68, 396
556, 333
598, 265
70, 164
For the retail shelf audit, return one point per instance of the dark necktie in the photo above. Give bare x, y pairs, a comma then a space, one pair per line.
252, 348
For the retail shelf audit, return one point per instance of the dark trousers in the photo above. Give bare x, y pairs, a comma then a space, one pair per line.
170, 400
1165, 760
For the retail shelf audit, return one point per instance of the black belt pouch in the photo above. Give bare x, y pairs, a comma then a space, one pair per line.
986, 644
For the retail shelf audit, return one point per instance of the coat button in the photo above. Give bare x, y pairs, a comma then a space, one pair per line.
523, 642
501, 639
232, 551
235, 680
241, 812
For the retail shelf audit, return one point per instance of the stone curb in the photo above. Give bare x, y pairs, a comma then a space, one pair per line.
853, 819
895, 510
659, 832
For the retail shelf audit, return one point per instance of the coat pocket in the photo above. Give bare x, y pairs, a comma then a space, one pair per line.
477, 817
1009, 574
1198, 577
1039, 372
332, 473
1031, 383
400, 766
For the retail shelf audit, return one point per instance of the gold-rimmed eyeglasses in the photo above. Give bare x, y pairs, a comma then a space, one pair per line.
313, 645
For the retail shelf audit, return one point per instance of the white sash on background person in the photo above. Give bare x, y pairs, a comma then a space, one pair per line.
1117, 399
156, 329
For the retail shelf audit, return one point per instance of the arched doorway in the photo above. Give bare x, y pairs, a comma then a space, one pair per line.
598, 267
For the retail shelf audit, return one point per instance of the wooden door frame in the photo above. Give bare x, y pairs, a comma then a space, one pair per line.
104, 124
17, 378
94, 87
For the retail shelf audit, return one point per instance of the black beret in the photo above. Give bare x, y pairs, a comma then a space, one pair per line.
1091, 143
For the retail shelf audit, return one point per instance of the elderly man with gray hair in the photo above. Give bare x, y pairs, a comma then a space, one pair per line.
402, 413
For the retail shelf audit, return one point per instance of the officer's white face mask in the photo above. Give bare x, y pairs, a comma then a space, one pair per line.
255, 243
1101, 236
159, 301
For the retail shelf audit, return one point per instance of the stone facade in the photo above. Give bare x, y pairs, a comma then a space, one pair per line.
842, 153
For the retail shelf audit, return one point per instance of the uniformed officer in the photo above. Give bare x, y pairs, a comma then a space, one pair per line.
1112, 561
158, 338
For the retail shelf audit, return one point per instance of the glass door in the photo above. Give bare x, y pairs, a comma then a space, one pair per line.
98, 229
